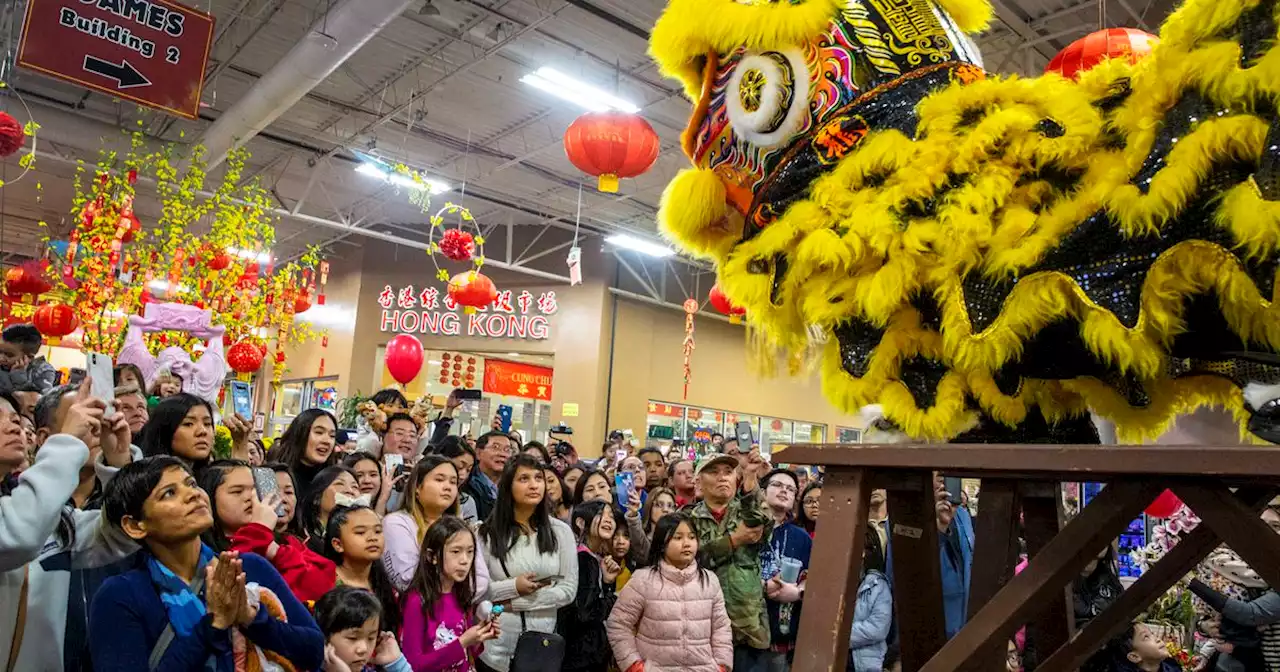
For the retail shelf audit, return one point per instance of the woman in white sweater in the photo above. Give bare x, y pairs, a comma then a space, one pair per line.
532, 559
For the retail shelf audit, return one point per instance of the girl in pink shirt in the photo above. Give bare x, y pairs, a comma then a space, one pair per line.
439, 633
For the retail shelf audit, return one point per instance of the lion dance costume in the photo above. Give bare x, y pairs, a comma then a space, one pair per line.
961, 248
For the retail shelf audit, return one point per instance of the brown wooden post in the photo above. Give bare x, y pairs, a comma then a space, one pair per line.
995, 552
1042, 507
1238, 525
917, 573
835, 572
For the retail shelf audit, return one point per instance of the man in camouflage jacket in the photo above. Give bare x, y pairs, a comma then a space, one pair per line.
731, 530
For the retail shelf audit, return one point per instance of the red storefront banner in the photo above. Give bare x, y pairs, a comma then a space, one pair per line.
517, 380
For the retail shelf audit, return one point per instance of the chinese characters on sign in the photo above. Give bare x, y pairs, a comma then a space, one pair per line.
516, 379
431, 312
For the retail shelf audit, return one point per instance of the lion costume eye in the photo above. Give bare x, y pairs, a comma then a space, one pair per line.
766, 97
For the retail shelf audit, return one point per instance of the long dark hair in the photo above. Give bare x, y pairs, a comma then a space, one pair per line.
308, 513
428, 578
352, 459
293, 527
662, 533
500, 531
580, 490
409, 503
210, 480
802, 517
586, 514
292, 446
157, 435
378, 579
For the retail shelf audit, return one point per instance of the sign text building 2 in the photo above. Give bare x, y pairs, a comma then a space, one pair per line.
432, 312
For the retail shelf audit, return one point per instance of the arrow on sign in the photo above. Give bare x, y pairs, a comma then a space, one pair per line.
123, 72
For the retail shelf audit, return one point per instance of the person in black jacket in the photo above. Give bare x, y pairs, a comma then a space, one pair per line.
1097, 587
492, 452
582, 622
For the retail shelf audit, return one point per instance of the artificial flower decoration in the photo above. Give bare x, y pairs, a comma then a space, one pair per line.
457, 245
12, 136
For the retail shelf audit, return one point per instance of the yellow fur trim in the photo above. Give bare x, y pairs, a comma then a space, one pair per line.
973, 16
693, 211
687, 29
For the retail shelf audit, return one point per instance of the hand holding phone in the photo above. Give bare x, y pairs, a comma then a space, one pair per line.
624, 484
102, 386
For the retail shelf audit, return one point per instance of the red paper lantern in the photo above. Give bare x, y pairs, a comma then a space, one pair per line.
611, 145
457, 245
301, 303
29, 278
472, 290
11, 136
445, 357
245, 357
404, 358
128, 227
55, 320
1165, 505
471, 360
220, 261
722, 303
1093, 48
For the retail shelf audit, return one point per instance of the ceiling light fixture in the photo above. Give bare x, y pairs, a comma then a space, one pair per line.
429, 9
496, 33
262, 257
629, 242
563, 86
384, 173
513, 354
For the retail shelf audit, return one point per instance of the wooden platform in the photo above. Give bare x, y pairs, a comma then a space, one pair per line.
1225, 486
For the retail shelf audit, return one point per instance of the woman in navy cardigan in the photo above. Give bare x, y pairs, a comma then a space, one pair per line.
182, 608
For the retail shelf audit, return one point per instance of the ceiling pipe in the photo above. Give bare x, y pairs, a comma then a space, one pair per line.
328, 44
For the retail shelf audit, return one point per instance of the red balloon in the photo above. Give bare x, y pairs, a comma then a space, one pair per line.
1091, 49
404, 358
1165, 505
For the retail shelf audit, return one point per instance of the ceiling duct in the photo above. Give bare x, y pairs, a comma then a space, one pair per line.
328, 44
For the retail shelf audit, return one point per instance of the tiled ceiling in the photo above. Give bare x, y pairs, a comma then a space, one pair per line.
453, 66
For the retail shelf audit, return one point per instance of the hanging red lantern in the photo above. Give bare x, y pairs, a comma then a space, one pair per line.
1165, 505
1093, 48
472, 290
55, 320
301, 303
726, 307
220, 261
245, 357
611, 145
29, 278
457, 245
11, 135
128, 227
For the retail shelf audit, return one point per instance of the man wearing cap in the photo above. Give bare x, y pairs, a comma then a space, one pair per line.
752, 466
731, 530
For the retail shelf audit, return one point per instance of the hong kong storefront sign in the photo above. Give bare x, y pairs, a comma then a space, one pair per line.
406, 310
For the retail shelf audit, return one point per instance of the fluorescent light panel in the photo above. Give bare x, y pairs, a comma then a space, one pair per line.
628, 242
391, 177
563, 86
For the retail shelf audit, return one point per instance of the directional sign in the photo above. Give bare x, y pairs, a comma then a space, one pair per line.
152, 52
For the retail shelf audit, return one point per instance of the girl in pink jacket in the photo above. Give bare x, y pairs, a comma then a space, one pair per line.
670, 617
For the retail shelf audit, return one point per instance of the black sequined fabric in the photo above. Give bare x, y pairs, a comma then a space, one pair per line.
857, 339
1035, 429
1267, 178
1178, 122
1255, 31
921, 376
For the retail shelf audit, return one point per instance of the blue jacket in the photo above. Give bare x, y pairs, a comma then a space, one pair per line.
127, 618
872, 618
955, 579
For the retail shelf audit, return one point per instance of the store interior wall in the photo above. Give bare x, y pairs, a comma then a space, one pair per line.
648, 364
338, 316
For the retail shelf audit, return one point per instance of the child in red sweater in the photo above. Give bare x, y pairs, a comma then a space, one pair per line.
439, 633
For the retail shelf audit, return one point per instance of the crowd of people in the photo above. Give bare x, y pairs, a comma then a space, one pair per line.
125, 544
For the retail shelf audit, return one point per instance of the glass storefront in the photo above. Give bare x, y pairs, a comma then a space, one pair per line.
691, 425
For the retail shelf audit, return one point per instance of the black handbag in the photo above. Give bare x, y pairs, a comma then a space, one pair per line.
535, 651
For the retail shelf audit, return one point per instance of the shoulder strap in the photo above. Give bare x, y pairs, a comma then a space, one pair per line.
503, 561
21, 624
166, 637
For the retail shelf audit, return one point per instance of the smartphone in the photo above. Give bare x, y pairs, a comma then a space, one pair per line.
744, 436
953, 486
547, 580
504, 417
241, 403
619, 455
394, 462
265, 483
624, 483
468, 395
102, 381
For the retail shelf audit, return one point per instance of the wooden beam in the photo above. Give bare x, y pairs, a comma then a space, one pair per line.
1238, 525
995, 554
1051, 628
1183, 558
1061, 560
1255, 464
835, 572
917, 571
